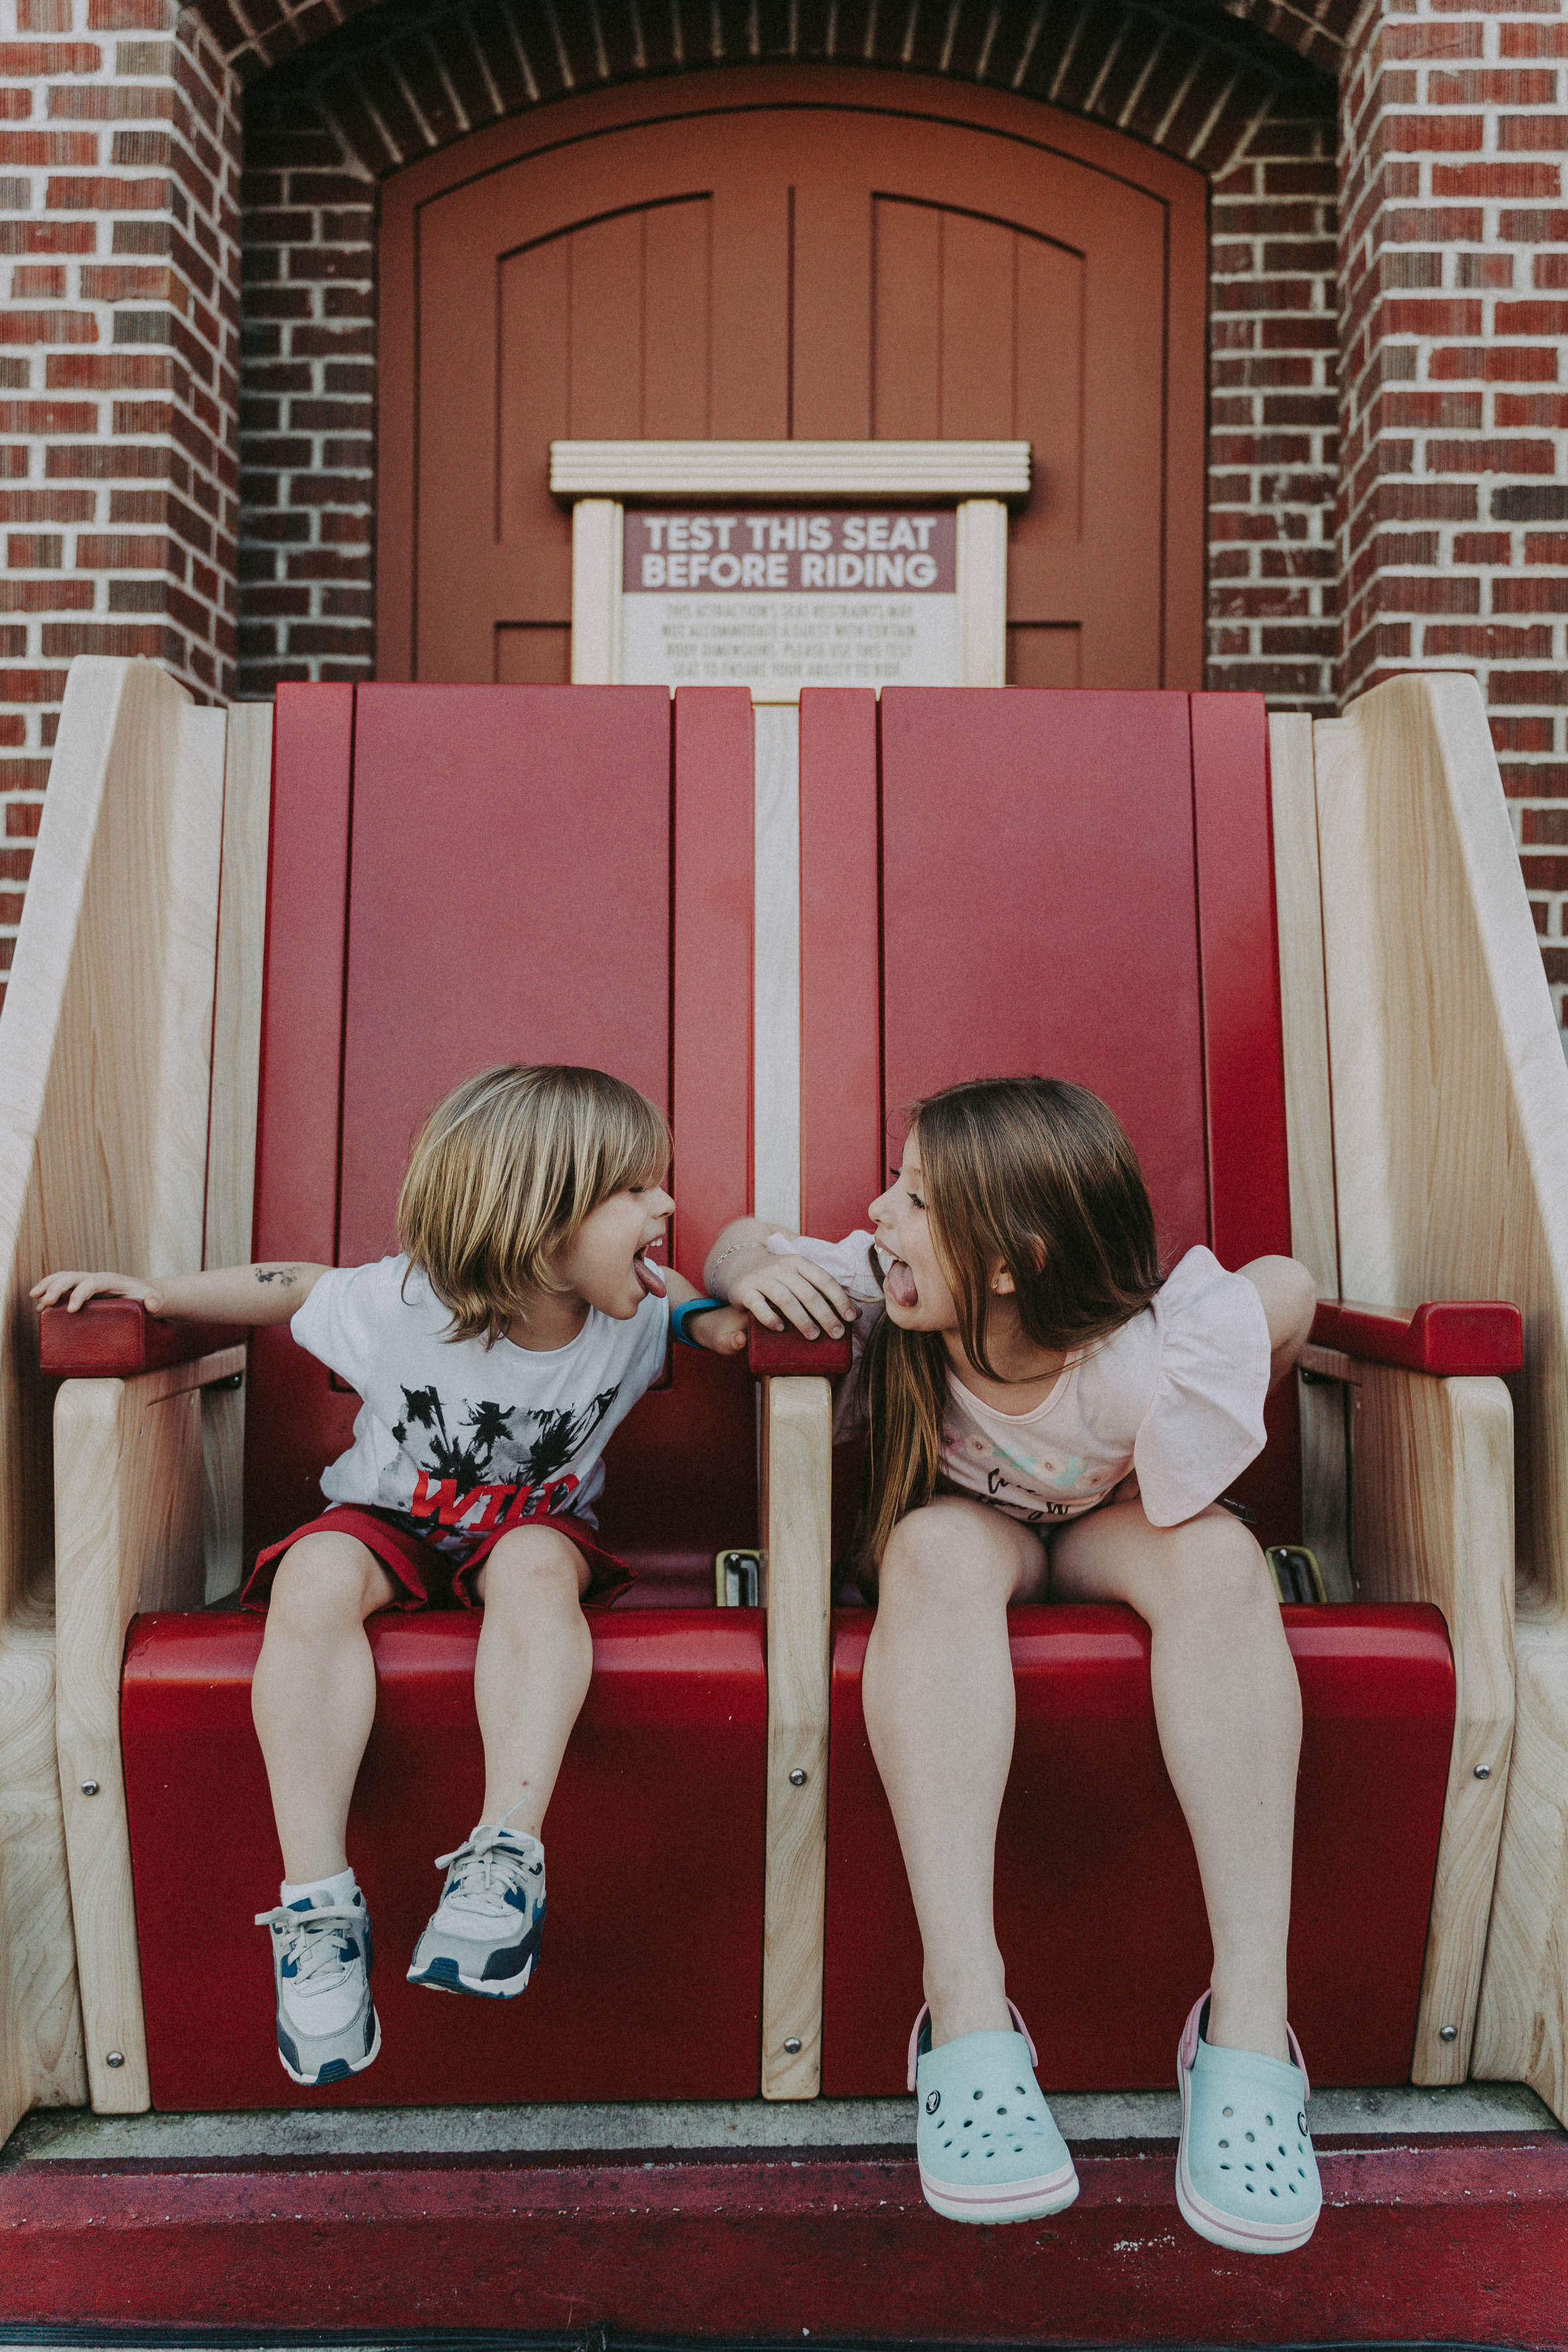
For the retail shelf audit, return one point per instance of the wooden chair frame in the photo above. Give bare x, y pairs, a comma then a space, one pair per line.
130, 1030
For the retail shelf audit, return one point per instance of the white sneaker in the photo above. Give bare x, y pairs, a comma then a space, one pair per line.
322, 1959
483, 1936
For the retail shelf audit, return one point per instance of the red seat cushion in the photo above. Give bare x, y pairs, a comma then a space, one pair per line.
649, 1985
1099, 1909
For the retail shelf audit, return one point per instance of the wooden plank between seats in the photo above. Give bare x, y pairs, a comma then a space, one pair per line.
841, 1136
710, 1090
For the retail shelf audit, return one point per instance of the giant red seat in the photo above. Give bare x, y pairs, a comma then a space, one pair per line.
1083, 884
461, 875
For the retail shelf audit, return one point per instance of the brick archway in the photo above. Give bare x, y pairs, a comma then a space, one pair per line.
399, 81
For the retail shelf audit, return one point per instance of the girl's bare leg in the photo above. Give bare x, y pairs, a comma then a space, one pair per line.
1228, 1709
531, 1678
312, 1697
938, 1692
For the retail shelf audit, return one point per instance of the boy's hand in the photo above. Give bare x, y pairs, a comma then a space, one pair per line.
83, 1286
792, 1290
721, 1330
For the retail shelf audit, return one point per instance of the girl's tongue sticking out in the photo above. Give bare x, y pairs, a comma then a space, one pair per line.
901, 1285
649, 1274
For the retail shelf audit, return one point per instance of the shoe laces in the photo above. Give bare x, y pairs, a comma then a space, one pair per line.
314, 1944
490, 1861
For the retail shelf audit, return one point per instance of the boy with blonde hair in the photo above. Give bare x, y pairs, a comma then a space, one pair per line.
494, 1355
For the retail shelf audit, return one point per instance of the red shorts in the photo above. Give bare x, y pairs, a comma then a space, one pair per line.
426, 1578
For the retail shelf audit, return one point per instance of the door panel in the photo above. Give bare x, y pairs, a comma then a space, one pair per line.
823, 271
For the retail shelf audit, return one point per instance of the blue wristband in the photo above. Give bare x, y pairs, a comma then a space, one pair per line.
679, 1316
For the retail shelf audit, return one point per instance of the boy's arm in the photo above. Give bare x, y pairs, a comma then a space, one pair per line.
269, 1293
776, 1289
721, 1329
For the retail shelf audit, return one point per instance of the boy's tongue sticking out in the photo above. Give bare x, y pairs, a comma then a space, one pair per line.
649, 1274
901, 1285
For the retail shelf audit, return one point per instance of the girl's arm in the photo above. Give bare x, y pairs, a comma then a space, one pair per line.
1289, 1298
722, 1329
270, 1293
741, 1268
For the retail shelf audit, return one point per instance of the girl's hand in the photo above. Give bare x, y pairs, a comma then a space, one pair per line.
83, 1286
723, 1330
793, 1290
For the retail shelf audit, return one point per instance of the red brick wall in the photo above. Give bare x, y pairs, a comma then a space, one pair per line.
1274, 412
119, 476
1454, 506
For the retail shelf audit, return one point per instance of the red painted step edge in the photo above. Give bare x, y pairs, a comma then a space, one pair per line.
1448, 1337
1460, 2240
116, 1339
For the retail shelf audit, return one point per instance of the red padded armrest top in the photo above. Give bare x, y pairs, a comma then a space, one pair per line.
1449, 1336
772, 1354
115, 1339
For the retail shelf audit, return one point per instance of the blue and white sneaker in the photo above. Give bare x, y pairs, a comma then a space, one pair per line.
483, 1936
322, 1959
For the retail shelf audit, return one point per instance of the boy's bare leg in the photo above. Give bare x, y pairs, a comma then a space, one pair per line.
312, 1697
1228, 1709
938, 1694
532, 1674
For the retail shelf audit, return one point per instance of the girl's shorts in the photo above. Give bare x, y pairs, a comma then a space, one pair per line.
426, 1578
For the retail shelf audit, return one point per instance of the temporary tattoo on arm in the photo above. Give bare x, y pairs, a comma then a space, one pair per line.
286, 1275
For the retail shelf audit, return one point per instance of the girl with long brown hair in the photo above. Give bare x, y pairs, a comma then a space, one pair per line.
1049, 1416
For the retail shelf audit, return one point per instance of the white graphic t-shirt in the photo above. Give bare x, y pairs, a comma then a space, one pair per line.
460, 1439
1175, 1394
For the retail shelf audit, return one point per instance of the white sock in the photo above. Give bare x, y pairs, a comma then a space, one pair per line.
319, 1890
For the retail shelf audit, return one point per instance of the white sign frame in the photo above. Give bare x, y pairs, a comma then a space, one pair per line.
983, 478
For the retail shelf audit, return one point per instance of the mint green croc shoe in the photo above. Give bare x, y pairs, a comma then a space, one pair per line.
1245, 2174
988, 2145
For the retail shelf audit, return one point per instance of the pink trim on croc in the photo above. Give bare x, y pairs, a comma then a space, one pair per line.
1019, 2026
1189, 2049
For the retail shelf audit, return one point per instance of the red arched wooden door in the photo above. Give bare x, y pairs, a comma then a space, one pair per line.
800, 254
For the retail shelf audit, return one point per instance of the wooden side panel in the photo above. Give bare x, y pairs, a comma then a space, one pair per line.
1308, 1111
797, 1445
1434, 1521
237, 1010
1450, 1136
841, 1149
293, 1420
105, 1047
42, 2062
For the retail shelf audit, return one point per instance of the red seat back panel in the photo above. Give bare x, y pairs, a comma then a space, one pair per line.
509, 901
650, 1980
462, 874
1100, 1912
1039, 911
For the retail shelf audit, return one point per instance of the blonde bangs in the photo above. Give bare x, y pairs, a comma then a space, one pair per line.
503, 1174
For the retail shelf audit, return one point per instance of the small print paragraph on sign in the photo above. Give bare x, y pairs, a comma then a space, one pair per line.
781, 600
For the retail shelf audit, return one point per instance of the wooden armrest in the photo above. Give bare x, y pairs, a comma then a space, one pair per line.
774, 1355
117, 1340
1454, 1339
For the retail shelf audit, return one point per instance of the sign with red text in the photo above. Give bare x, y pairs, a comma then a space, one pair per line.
777, 599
